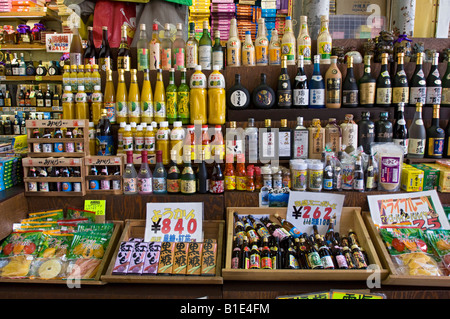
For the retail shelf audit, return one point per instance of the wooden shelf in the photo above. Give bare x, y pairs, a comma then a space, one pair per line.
46, 14
23, 47
27, 109
34, 78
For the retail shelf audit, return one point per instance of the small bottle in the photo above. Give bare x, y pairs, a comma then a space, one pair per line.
144, 177
358, 176
159, 176
130, 186
173, 174
248, 51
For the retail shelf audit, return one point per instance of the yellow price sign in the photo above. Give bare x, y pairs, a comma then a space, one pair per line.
97, 206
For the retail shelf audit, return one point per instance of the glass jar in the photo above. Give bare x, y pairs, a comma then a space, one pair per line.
299, 174
315, 176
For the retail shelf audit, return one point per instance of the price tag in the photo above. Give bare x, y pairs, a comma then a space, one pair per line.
306, 209
419, 210
174, 222
38, 78
97, 206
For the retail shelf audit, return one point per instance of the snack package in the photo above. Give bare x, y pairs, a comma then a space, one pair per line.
138, 258
180, 258
54, 245
83, 268
52, 215
209, 256
48, 268
151, 261
87, 246
75, 213
16, 267
105, 229
166, 258
440, 240
389, 158
194, 258
122, 262
21, 243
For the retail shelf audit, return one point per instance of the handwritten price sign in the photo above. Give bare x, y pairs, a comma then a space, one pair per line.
174, 222
307, 209
421, 210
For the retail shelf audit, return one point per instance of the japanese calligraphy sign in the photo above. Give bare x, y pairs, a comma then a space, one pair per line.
174, 222
418, 210
58, 42
306, 209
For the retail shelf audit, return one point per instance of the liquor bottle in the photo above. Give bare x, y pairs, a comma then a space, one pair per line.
418, 83
325, 255
48, 96
121, 99
144, 177
202, 176
400, 92
155, 49
300, 140
171, 98
166, 49
105, 56
146, 99
22, 67
217, 181
304, 41
333, 136
367, 85
251, 141
447, 141
187, 180
370, 175
314, 260
159, 175
358, 176
328, 174
333, 81
104, 136
284, 91
248, 50
317, 87
76, 48
268, 142
236, 254
284, 141
434, 83
276, 253
173, 174
217, 51
134, 99
350, 91
238, 97
359, 257
263, 96
183, 91
178, 49
400, 131
266, 255
233, 46
245, 254
417, 135
159, 98
301, 90
435, 136
288, 42
349, 131
130, 176
446, 87
366, 132
142, 49
274, 48
290, 259
293, 230
205, 48
41, 70
383, 129
262, 44
324, 41
90, 54
316, 139
191, 48
384, 84
255, 256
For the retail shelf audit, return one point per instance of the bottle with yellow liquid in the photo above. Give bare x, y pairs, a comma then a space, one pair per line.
146, 99
68, 103
262, 44
109, 98
88, 80
81, 104
177, 136
274, 49
120, 133
96, 104
183, 99
134, 99
133, 126
80, 77
95, 76
92, 139
150, 141
139, 140
216, 97
171, 98
121, 99
73, 78
159, 98
198, 97
127, 139
66, 76
248, 50
162, 141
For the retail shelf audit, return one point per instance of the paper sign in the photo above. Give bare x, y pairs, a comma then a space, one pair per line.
58, 42
336, 294
418, 210
174, 222
313, 295
97, 206
306, 209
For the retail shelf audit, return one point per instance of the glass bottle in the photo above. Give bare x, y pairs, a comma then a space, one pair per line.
166, 49
417, 135
350, 92
262, 44
159, 98
434, 83
233, 46
130, 186
178, 49
268, 141
333, 81
300, 140
301, 90
383, 129
366, 132
183, 92
142, 49
123, 56
229, 174
384, 84
146, 99
446, 87
121, 98
316, 139
90, 54
159, 176
263, 96
217, 182
304, 41
288, 42
251, 141
104, 136
155, 49
191, 48
400, 131
104, 55
238, 97
333, 136
248, 50
293, 230
317, 87
173, 174
324, 41
134, 99
400, 92
144, 177
284, 141
435, 136
202, 175
171, 98
367, 85
76, 48
188, 181
205, 49
284, 91
418, 83
274, 48
217, 51
358, 176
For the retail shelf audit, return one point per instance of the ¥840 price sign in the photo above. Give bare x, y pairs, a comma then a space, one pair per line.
306, 209
174, 222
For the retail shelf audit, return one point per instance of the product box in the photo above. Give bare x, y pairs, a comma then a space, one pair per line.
444, 177
430, 176
411, 179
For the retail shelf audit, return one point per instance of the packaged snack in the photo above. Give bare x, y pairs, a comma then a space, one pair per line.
105, 229
54, 245
17, 267
53, 215
21, 243
75, 213
122, 262
209, 258
166, 258
87, 246
180, 258
440, 240
83, 268
390, 158
194, 258
137, 258
48, 268
151, 261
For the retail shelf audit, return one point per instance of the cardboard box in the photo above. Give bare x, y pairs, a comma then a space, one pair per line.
359, 7
411, 179
430, 176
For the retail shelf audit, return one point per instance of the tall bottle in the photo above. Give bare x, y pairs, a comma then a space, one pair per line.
400, 131
304, 41
400, 92
300, 140
90, 54
284, 91
216, 97
191, 48
146, 99
233, 46
248, 50
134, 99
267, 144
123, 56
159, 98
104, 136
284, 141
317, 87
105, 56
202, 176
188, 181
434, 83
324, 41
418, 83
76, 48
68, 103
217, 51
333, 80
173, 174
350, 92
435, 136
316, 139
288, 42
367, 85
178, 49
171, 98
251, 141
205, 48
166, 49
262, 44
142, 49
130, 186
333, 136
121, 99
183, 93
162, 141
300, 90
366, 132
81, 104
198, 97
383, 129
96, 104
384, 84
159, 176
447, 141
293, 231
446, 87
417, 135
144, 176
155, 49
274, 48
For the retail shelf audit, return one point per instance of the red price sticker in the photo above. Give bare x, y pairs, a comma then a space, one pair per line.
178, 226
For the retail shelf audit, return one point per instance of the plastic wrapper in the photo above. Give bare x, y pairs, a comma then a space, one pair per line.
15, 267
83, 268
21, 243
75, 213
48, 268
87, 246
389, 157
440, 240
54, 245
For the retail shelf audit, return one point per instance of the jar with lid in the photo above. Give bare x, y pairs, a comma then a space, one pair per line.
277, 179
286, 178
299, 174
267, 176
315, 176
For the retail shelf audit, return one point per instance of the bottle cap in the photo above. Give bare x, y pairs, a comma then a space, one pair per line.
91, 124
155, 27
80, 87
139, 128
97, 87
198, 68
67, 88
123, 124
177, 124
216, 67
127, 128
164, 124
133, 124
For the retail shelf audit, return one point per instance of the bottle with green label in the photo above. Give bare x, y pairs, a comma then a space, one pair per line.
142, 49
159, 98
183, 99
171, 98
288, 43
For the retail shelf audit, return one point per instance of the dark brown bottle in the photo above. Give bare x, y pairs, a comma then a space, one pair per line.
435, 136
284, 91
236, 254
366, 132
266, 255
383, 129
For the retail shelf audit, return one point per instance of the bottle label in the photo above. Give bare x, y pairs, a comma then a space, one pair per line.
70, 147
400, 95
417, 95
105, 184
130, 185
179, 59
325, 50
248, 56
198, 81
262, 52
155, 55
173, 185
288, 50
314, 260
139, 143
191, 55
327, 262
217, 58
59, 147
347, 176
171, 104
105, 145
143, 59
32, 187
416, 146
111, 112
434, 95
205, 57
233, 55
403, 143
333, 90
275, 55
435, 146
268, 144
235, 263
367, 93
341, 261
350, 97
384, 96
149, 143
105, 63
123, 62
305, 50
358, 184
266, 263
147, 109
284, 144
127, 143
134, 109
301, 97
166, 59
254, 261
238, 98
145, 185
241, 183
122, 109
159, 185
217, 187
216, 81
390, 167
284, 98
445, 96
160, 109
188, 186
328, 184
317, 97
230, 183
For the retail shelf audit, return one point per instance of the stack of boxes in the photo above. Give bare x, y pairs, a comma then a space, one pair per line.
27, 5
245, 15
426, 176
199, 12
5, 5
64, 12
10, 172
222, 11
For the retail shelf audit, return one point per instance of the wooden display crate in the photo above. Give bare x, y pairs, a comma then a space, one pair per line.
51, 124
213, 229
350, 219
395, 277
99, 161
118, 226
28, 162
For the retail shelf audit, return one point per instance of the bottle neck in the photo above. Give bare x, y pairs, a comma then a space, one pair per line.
435, 120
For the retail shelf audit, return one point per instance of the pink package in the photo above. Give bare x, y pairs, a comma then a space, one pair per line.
137, 259
123, 258
151, 259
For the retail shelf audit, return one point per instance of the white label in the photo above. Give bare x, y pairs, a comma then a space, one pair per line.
284, 144
191, 55
268, 144
301, 97
434, 95
317, 97
403, 144
301, 144
155, 56
205, 57
417, 95
217, 58
416, 146
238, 98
